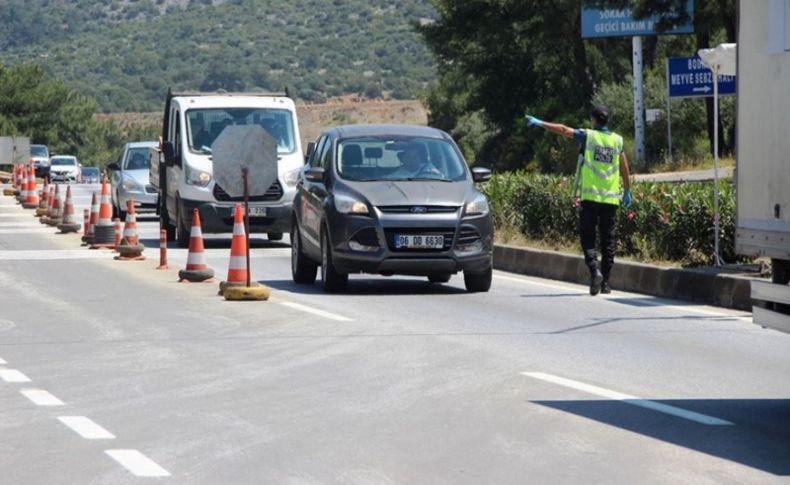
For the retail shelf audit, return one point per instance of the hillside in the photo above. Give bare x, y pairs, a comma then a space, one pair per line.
125, 53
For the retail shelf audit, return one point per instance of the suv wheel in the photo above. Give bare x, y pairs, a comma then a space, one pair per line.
182, 232
439, 277
332, 280
478, 282
303, 270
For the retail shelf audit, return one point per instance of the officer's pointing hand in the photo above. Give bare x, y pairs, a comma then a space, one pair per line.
627, 199
532, 121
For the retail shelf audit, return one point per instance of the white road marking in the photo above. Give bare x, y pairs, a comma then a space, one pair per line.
20, 224
40, 397
29, 230
52, 254
13, 375
628, 399
2, 362
18, 215
315, 311
137, 463
86, 428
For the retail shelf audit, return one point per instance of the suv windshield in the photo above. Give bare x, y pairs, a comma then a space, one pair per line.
136, 159
64, 161
39, 151
401, 158
205, 125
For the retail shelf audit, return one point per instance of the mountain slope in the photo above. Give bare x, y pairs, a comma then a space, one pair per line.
127, 53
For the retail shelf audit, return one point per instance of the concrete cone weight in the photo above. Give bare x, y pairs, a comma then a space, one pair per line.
247, 293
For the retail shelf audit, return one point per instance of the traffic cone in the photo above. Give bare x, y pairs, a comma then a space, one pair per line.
235, 288
118, 234
31, 198
104, 230
57, 209
86, 224
92, 220
69, 224
43, 202
130, 247
22, 185
50, 201
196, 270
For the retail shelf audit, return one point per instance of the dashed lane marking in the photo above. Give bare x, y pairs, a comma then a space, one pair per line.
137, 463
40, 397
315, 311
628, 399
86, 428
13, 375
52, 254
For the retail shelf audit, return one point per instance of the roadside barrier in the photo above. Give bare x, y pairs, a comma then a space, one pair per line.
57, 210
31, 197
197, 270
104, 230
68, 224
43, 202
130, 248
162, 249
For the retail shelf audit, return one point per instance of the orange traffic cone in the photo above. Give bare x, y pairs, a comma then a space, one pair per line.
22, 185
69, 224
50, 201
92, 220
86, 224
237, 267
57, 209
31, 198
197, 270
43, 201
130, 247
104, 230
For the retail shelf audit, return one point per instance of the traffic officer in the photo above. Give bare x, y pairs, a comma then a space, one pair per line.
602, 166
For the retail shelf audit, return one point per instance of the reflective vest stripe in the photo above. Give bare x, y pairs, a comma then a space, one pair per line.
602, 193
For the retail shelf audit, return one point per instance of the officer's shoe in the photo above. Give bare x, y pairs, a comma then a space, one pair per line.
606, 288
595, 283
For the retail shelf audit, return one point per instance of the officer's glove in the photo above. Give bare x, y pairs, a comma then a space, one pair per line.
627, 199
532, 121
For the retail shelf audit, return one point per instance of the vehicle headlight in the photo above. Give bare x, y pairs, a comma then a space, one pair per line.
349, 205
196, 177
131, 185
292, 177
477, 206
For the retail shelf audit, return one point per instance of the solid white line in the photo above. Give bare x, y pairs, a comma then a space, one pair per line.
50, 254
627, 399
315, 311
29, 230
86, 428
137, 463
41, 397
13, 375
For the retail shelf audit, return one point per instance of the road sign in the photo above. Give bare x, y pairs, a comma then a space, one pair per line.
613, 22
244, 146
688, 77
14, 149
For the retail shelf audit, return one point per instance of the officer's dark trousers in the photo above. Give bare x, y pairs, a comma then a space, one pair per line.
595, 215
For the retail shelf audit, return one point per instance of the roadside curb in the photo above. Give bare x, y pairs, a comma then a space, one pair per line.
696, 285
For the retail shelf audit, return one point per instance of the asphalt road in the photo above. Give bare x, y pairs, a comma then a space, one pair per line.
112, 372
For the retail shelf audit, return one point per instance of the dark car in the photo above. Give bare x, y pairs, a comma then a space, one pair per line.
390, 199
90, 175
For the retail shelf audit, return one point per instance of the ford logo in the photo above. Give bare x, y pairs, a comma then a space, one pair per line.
419, 210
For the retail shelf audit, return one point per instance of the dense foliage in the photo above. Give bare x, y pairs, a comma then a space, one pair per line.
503, 58
125, 54
666, 221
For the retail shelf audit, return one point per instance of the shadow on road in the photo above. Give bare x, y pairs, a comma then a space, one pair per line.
371, 287
758, 437
220, 243
554, 295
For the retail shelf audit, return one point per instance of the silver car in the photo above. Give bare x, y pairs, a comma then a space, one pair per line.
390, 199
64, 168
129, 179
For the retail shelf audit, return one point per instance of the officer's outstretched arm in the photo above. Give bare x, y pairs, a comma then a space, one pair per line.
559, 129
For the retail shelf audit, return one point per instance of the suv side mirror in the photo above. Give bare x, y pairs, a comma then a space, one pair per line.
314, 174
113, 166
481, 174
310, 149
169, 151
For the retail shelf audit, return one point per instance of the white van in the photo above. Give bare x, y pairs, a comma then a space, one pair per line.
181, 168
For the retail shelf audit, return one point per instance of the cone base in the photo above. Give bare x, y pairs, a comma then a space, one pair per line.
234, 284
195, 275
245, 293
30, 205
44, 219
68, 228
130, 252
53, 221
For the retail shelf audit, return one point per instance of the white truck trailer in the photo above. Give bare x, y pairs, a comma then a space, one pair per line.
763, 152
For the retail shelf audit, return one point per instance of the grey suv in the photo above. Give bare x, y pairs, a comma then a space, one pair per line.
390, 199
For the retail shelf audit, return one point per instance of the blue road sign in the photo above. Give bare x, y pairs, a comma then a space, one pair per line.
688, 77
612, 22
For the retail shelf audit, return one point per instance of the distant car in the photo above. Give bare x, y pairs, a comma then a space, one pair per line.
129, 179
40, 156
64, 168
90, 175
390, 199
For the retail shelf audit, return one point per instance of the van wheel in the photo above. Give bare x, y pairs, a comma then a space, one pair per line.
332, 280
439, 277
182, 232
303, 270
478, 282
274, 236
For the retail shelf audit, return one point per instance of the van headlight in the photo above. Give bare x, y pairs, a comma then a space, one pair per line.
349, 205
130, 185
291, 177
477, 206
199, 178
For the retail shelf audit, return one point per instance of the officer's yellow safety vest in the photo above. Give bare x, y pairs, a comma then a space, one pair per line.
601, 167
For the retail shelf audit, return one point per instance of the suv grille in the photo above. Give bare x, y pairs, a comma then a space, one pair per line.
417, 209
275, 192
448, 233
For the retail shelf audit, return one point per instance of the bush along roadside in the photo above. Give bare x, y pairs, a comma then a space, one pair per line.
670, 222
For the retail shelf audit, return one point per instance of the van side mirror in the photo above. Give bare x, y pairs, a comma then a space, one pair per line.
314, 174
310, 149
113, 166
481, 174
169, 151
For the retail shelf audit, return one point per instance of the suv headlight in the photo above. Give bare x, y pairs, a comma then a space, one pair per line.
477, 206
291, 177
349, 205
130, 185
196, 177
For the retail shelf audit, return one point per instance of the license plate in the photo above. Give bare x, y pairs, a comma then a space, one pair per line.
254, 212
419, 242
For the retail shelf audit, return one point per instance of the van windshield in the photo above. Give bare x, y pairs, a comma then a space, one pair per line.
205, 125
39, 151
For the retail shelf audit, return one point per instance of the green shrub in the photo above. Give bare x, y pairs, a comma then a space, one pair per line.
665, 222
